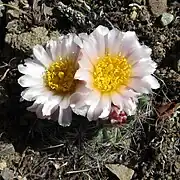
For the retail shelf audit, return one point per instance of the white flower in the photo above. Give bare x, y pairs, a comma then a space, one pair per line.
49, 78
116, 69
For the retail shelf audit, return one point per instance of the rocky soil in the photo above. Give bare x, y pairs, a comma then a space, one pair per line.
148, 145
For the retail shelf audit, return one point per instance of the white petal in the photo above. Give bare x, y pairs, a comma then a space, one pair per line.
85, 76
33, 107
43, 98
62, 47
117, 100
82, 74
78, 39
51, 104
92, 97
101, 30
31, 68
39, 111
67, 47
106, 104
98, 39
65, 116
30, 94
147, 50
78, 98
72, 47
84, 60
59, 47
129, 106
124, 103
83, 36
90, 49
114, 40
128, 93
82, 111
94, 110
81, 88
140, 86
38, 107
152, 81
143, 68
52, 48
41, 55
129, 43
65, 102
29, 81
100, 108
141, 53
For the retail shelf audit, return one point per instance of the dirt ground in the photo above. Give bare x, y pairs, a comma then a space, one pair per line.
149, 144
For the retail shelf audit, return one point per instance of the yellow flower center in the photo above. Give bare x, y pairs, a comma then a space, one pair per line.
110, 73
59, 77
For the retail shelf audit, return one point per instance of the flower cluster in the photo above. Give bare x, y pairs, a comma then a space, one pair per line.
89, 75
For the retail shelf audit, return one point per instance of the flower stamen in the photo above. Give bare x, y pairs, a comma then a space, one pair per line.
59, 77
110, 73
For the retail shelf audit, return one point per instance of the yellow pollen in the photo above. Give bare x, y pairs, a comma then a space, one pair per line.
59, 77
110, 73
61, 74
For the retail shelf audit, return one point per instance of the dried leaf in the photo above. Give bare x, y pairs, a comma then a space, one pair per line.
121, 171
165, 111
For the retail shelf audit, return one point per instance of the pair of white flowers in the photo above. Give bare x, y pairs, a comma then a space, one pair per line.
87, 74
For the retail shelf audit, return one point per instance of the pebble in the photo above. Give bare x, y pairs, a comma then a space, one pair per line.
157, 7
3, 165
162, 37
121, 171
133, 15
166, 19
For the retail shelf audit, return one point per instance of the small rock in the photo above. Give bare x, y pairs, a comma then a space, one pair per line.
166, 19
133, 15
158, 6
7, 174
121, 171
162, 37
3, 165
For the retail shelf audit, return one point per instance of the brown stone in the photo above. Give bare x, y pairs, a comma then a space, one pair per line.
157, 7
